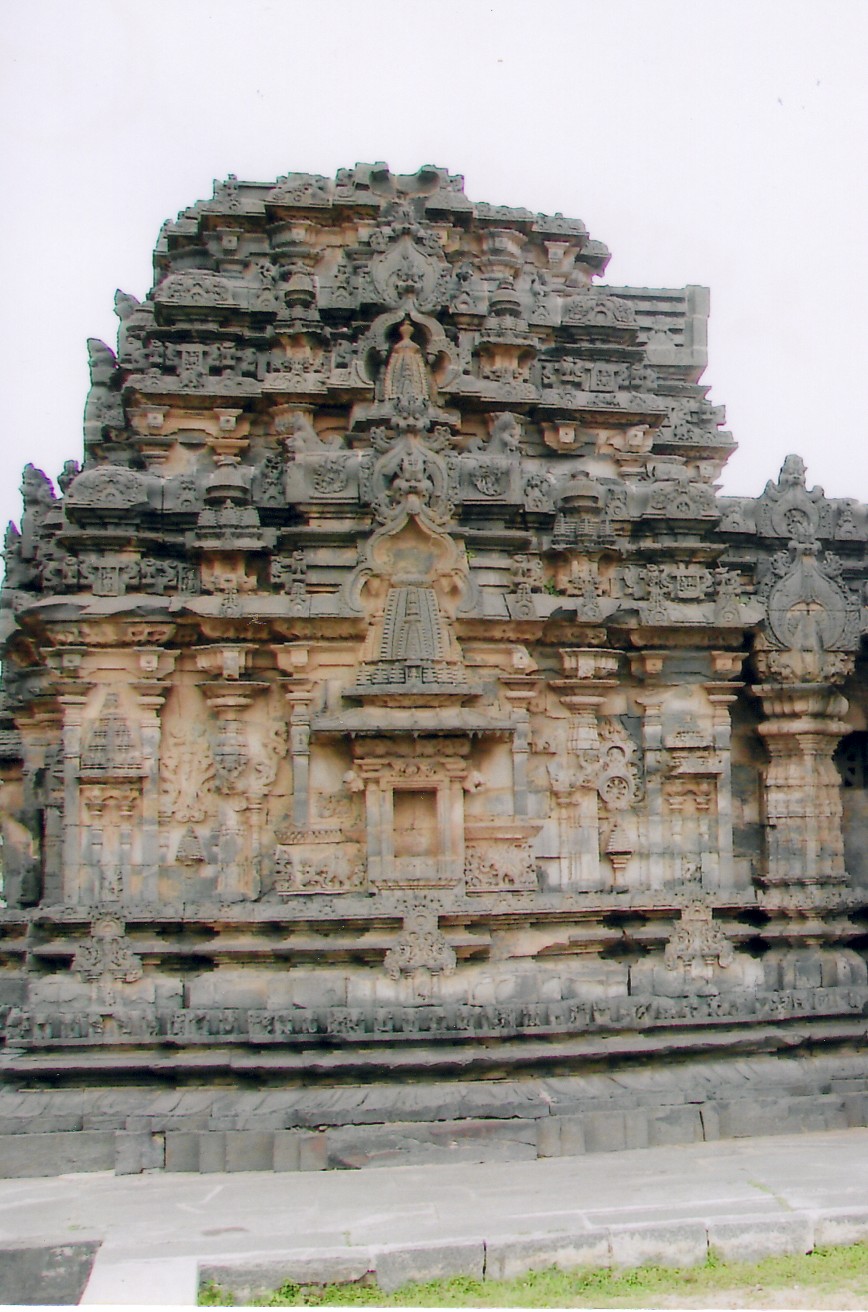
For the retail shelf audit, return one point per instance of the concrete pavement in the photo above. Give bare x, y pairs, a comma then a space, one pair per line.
161, 1232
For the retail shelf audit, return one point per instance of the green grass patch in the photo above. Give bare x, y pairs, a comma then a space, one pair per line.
813, 1280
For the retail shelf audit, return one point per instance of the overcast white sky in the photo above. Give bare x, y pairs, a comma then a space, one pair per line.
710, 142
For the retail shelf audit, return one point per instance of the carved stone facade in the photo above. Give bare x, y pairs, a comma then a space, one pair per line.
392, 676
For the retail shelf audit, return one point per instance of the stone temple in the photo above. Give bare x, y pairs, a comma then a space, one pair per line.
407, 753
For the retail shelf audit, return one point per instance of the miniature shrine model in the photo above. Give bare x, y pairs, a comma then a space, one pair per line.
406, 751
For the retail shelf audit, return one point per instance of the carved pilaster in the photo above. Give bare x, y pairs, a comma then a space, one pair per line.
238, 844
72, 700
292, 659
804, 722
575, 781
648, 666
721, 695
155, 666
520, 686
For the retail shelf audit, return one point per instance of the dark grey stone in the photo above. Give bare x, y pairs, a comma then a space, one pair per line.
249, 1150
182, 1150
139, 1150
417, 1144
23, 1155
212, 1151
45, 1274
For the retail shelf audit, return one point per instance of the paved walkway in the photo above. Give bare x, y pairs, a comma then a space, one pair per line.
160, 1232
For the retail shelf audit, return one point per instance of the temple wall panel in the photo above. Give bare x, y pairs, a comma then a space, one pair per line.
392, 676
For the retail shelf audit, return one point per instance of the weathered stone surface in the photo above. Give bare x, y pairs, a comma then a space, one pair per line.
45, 1273
137, 1151
416, 1144
59, 1153
390, 701
751, 1238
505, 1258
673, 1244
254, 1277
435, 1261
842, 1227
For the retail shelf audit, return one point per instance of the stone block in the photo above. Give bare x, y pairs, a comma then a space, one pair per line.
505, 1258
681, 1243
855, 1108
45, 1273
295, 1150
418, 1144
286, 1154
572, 1136
30, 1155
674, 1125
548, 1137
609, 1132
182, 1150
438, 1261
751, 1238
561, 1136
57, 1120
786, 1115
249, 1150
840, 1227
212, 1151
709, 1116
137, 1151
252, 1277
313, 1152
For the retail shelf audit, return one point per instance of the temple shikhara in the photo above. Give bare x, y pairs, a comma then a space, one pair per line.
406, 750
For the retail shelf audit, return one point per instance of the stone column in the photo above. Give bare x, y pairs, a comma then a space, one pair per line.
803, 814
292, 659
721, 695
228, 697
155, 665
72, 697
41, 729
648, 665
589, 679
519, 689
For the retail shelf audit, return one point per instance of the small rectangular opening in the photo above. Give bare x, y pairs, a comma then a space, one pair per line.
414, 820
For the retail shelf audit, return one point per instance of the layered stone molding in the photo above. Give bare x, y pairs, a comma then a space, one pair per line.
390, 692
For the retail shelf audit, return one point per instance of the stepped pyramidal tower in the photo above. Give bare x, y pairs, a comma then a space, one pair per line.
402, 742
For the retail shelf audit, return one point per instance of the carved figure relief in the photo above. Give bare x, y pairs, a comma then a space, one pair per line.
421, 947
107, 953
499, 868
807, 607
698, 943
187, 774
